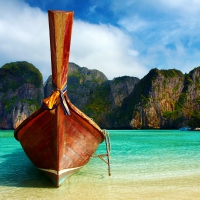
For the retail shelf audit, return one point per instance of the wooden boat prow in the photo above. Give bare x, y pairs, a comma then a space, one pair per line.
58, 138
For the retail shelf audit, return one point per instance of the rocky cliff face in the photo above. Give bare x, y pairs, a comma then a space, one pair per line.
121, 87
21, 93
91, 92
162, 91
109, 98
163, 99
192, 91
81, 83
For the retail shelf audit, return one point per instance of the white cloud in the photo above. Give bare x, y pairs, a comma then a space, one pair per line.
24, 35
163, 34
105, 48
154, 25
183, 6
177, 57
134, 23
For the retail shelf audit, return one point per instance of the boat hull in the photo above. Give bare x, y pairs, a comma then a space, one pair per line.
58, 144
58, 138
58, 177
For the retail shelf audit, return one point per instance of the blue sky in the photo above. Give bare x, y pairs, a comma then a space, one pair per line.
117, 37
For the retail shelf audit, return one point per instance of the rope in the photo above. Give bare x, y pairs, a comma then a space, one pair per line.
63, 100
108, 150
52, 102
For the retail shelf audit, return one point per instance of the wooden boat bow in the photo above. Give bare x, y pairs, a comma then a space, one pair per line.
58, 138
60, 26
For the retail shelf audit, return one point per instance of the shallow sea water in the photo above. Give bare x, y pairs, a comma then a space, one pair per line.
145, 164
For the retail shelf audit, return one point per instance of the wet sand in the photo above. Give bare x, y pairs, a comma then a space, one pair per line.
182, 188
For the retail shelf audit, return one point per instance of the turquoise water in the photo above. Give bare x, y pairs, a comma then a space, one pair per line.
152, 164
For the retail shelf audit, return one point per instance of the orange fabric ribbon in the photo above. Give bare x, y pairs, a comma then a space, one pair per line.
52, 100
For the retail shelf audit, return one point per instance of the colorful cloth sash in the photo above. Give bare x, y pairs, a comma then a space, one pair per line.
53, 100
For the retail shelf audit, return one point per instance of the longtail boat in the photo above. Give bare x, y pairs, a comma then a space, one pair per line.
58, 138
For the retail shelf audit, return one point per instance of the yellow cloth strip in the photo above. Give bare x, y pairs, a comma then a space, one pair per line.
52, 100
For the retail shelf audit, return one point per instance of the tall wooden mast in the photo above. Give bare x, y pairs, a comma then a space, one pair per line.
60, 26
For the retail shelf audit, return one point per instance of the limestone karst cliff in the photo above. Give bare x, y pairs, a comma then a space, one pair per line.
162, 99
21, 93
91, 92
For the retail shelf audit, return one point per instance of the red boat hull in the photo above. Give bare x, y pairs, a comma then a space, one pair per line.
59, 139
59, 144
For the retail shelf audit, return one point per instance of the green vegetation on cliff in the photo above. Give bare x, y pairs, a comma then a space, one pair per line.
195, 119
139, 95
84, 75
21, 92
99, 102
170, 73
33, 104
15, 74
161, 99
